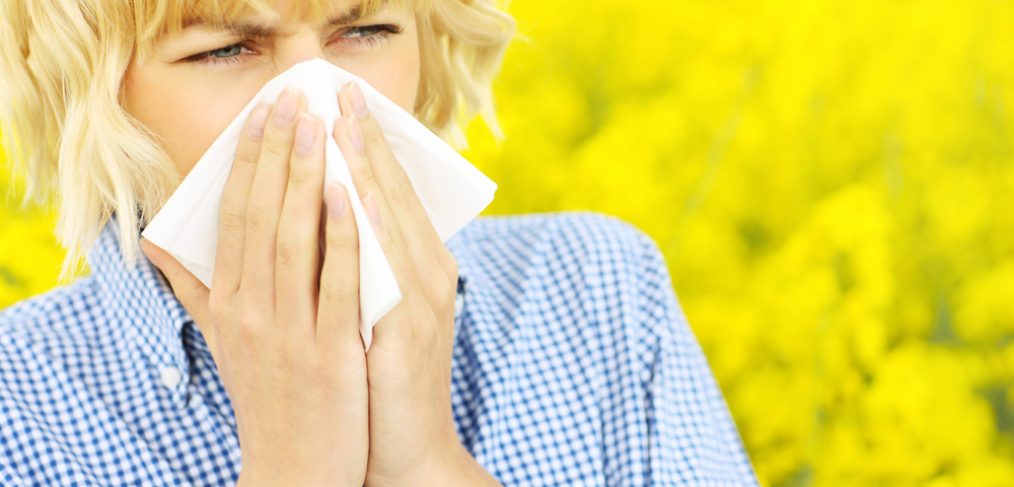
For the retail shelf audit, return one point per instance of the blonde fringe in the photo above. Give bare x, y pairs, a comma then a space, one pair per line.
63, 127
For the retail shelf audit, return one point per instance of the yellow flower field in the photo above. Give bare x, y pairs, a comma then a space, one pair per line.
831, 184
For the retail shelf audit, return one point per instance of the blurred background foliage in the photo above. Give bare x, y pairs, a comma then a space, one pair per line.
830, 182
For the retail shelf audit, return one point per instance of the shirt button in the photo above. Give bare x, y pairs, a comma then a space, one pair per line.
459, 303
171, 376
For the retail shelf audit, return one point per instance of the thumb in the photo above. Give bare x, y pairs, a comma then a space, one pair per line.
191, 292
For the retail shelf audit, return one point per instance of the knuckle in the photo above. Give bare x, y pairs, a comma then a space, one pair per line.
317, 364
328, 364
218, 306
447, 296
440, 293
339, 236
276, 149
401, 196
363, 176
259, 220
289, 252
249, 326
302, 175
247, 153
334, 291
370, 132
232, 214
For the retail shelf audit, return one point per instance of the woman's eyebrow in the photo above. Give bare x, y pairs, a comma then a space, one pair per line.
258, 30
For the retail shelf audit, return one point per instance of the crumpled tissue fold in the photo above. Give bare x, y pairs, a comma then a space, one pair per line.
452, 191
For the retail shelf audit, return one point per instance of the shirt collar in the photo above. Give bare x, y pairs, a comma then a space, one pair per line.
141, 299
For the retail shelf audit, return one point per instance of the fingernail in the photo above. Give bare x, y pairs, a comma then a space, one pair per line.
358, 101
285, 111
334, 197
373, 212
258, 118
306, 135
355, 133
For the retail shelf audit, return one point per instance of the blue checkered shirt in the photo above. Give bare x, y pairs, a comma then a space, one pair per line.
573, 364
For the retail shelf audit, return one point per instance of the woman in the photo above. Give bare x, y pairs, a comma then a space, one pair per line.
528, 350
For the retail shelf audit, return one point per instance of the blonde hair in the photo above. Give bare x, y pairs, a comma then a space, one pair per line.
63, 127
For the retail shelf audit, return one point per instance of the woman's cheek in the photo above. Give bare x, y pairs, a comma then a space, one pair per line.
196, 123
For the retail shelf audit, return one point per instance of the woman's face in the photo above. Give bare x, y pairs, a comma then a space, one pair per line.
195, 82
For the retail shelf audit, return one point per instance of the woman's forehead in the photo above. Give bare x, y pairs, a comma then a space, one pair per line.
155, 19
179, 14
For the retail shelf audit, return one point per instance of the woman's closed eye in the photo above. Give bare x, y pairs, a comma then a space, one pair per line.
359, 37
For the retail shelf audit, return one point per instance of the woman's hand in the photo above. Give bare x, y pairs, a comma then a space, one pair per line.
283, 332
412, 433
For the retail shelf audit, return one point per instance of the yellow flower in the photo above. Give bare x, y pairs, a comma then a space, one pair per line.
830, 183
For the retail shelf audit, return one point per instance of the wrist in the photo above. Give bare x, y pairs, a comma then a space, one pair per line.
452, 466
255, 478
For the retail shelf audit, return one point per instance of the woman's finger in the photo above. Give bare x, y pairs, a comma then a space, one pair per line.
296, 256
338, 305
232, 211
384, 225
264, 205
434, 264
191, 292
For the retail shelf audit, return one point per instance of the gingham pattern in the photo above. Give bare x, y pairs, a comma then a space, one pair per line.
573, 365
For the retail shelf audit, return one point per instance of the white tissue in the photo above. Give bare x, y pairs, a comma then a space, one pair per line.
452, 190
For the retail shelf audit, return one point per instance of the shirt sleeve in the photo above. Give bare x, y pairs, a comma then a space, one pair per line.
692, 439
